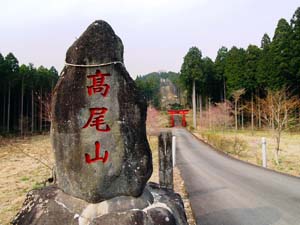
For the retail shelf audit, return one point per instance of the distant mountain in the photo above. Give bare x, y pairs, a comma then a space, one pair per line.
150, 85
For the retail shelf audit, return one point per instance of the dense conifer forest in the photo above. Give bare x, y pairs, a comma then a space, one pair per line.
25, 96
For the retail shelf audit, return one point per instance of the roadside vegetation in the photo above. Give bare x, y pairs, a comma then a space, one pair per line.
246, 94
246, 145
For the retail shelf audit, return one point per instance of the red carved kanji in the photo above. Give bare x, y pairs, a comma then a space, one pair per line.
98, 84
97, 119
97, 154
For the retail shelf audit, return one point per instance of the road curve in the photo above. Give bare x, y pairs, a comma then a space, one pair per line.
225, 191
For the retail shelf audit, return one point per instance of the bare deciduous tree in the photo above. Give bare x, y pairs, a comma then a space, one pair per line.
153, 123
218, 116
236, 96
277, 111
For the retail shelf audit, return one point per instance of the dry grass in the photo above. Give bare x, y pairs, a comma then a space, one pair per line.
289, 156
21, 170
153, 142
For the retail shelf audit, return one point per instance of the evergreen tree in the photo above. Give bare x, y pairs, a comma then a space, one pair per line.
295, 61
213, 83
220, 64
12, 63
253, 54
266, 65
281, 49
235, 69
191, 69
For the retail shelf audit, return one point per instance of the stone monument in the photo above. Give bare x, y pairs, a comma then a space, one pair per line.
102, 156
98, 126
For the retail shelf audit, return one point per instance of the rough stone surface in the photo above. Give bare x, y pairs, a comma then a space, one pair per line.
50, 205
129, 162
172, 200
40, 208
165, 160
136, 217
161, 216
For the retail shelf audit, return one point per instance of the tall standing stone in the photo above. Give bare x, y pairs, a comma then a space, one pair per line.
165, 160
98, 126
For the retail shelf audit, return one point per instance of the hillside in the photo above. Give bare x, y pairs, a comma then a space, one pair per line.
159, 88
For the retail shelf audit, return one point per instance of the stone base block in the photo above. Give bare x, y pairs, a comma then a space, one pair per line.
50, 206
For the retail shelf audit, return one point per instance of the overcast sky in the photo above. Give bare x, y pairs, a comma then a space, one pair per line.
156, 33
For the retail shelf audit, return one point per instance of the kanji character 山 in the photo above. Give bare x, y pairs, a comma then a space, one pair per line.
97, 154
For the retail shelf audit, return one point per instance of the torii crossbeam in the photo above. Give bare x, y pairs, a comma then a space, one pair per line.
182, 112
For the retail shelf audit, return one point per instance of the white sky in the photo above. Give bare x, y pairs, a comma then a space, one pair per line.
156, 33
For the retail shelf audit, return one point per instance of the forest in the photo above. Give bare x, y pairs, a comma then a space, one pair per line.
251, 81
25, 96
271, 66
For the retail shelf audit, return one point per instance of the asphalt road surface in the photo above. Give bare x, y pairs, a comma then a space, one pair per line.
225, 191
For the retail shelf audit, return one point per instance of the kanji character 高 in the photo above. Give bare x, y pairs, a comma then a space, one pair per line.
98, 84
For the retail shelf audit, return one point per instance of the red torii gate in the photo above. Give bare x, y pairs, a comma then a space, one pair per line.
182, 112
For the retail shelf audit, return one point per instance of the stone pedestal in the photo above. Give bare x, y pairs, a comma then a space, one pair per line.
50, 206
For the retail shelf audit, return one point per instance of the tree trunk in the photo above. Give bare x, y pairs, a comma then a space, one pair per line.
235, 114
178, 94
221, 94
32, 111
4, 111
252, 114
41, 110
200, 110
286, 115
299, 114
225, 122
277, 148
259, 114
22, 107
194, 105
27, 116
209, 113
52, 84
224, 86
242, 119
273, 121
8, 108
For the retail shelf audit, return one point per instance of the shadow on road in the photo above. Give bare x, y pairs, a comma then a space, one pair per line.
249, 216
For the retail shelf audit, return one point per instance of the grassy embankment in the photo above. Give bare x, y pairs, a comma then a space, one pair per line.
20, 171
246, 146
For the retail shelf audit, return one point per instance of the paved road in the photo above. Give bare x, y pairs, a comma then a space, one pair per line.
225, 191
